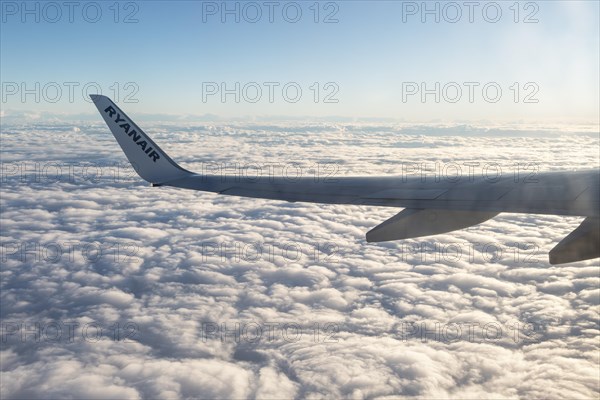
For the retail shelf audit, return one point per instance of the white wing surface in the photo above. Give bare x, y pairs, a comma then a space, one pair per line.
429, 207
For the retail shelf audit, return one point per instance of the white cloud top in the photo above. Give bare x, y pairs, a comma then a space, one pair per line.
113, 289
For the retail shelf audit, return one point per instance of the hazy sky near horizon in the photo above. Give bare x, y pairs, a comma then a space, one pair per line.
496, 61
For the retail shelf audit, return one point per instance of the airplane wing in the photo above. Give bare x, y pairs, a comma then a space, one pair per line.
430, 207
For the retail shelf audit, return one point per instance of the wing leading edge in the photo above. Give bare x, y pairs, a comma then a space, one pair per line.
430, 207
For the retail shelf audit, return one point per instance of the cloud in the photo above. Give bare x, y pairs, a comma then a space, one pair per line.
114, 289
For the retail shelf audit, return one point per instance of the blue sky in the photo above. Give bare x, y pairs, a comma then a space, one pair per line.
370, 57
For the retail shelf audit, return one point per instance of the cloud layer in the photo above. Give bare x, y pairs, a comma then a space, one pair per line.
114, 289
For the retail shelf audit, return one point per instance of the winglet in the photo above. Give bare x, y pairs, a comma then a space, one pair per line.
148, 160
